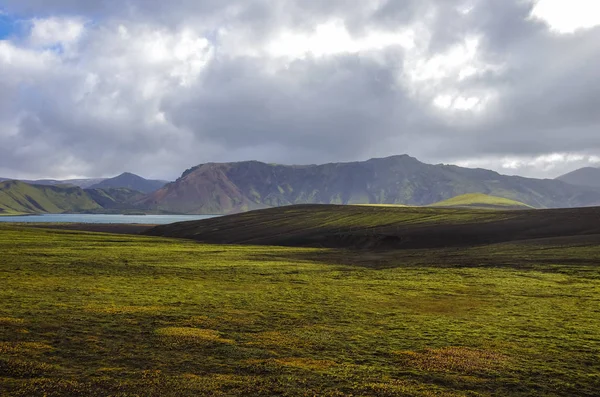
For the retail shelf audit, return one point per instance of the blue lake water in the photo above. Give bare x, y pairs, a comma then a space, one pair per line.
98, 218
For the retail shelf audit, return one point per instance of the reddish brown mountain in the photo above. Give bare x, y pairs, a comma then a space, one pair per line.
235, 187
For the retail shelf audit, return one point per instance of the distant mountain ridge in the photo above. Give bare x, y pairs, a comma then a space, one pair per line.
82, 183
216, 188
130, 181
588, 177
224, 188
125, 180
55, 196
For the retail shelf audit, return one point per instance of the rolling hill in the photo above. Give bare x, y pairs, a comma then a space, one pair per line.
479, 200
588, 177
221, 188
20, 197
337, 226
130, 181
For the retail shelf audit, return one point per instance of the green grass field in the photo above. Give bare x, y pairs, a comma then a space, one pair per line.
475, 200
87, 314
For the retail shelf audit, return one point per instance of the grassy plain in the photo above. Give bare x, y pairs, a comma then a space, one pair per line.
92, 314
474, 200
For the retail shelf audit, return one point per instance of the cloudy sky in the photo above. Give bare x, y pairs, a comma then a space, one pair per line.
94, 88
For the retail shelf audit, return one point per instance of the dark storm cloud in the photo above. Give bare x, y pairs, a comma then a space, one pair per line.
139, 90
332, 108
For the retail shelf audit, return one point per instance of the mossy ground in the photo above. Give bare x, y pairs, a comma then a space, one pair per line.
100, 314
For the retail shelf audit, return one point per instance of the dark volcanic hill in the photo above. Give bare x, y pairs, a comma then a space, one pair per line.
588, 176
337, 226
130, 181
216, 188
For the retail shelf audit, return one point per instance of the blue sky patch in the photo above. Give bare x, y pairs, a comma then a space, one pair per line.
7, 25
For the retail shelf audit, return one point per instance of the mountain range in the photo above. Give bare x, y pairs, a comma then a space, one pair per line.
125, 180
223, 188
118, 194
588, 177
234, 187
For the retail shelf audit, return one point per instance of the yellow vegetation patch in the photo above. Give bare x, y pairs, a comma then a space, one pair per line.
199, 320
126, 309
453, 359
195, 335
22, 347
11, 321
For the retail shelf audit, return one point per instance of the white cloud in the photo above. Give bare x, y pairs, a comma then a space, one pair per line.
567, 16
459, 102
553, 164
52, 31
439, 78
163, 86
65, 110
332, 38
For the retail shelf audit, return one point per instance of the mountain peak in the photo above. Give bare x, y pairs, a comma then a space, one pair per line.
130, 181
587, 176
128, 174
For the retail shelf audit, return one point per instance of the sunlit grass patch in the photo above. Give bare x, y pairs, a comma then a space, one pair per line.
23, 347
453, 359
11, 321
192, 335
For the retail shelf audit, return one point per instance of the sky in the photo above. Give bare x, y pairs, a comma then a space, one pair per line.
96, 88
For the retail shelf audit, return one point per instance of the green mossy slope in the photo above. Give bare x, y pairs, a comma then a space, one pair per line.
19, 197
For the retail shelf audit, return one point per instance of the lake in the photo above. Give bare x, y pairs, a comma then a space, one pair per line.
99, 218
